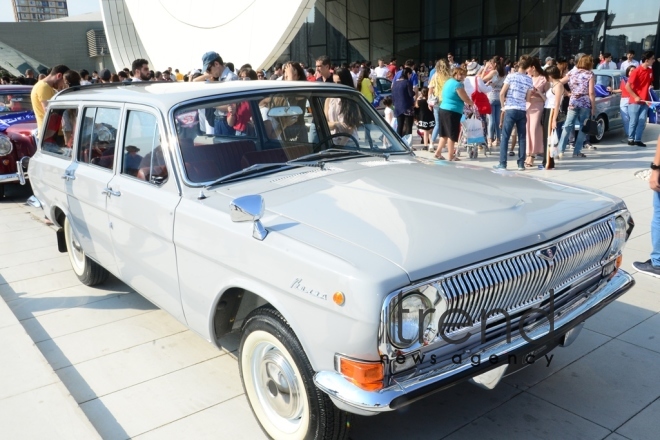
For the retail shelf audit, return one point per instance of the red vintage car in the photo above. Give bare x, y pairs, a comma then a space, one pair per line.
17, 129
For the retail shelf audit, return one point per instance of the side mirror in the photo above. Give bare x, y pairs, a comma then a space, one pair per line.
249, 209
21, 168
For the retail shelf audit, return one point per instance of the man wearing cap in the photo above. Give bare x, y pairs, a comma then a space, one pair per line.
214, 120
140, 69
45, 89
214, 69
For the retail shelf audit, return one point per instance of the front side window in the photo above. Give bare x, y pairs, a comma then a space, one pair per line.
59, 131
142, 154
223, 137
98, 136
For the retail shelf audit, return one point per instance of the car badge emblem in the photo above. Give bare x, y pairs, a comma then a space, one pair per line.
548, 254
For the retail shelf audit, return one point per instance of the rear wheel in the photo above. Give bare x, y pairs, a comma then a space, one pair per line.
602, 127
278, 381
88, 272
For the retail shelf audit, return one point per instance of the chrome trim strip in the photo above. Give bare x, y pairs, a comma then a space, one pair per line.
13, 177
347, 394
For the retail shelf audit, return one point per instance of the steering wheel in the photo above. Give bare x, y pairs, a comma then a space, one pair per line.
317, 147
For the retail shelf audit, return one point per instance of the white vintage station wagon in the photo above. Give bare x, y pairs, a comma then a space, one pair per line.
359, 276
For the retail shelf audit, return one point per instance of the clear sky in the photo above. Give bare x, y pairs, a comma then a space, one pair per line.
76, 7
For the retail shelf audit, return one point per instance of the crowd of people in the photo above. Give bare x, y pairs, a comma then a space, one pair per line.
517, 102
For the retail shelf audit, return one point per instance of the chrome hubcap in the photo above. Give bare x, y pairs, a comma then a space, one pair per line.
601, 128
77, 254
276, 384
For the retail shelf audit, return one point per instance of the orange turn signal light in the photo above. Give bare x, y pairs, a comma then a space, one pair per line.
339, 298
366, 375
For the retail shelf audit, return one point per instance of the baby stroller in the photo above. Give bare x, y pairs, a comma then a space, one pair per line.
472, 135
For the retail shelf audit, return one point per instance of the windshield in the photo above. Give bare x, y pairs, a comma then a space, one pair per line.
14, 102
224, 136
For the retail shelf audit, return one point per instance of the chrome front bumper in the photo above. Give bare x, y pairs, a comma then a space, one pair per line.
351, 398
6, 178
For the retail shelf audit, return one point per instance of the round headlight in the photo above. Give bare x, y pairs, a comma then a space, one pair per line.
5, 145
619, 240
404, 319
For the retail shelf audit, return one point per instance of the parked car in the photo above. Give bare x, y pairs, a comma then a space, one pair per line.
608, 112
382, 88
17, 124
309, 236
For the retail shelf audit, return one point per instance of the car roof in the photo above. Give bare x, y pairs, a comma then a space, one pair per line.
11, 88
167, 94
608, 71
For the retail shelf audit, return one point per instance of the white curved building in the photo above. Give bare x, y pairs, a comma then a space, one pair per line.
175, 33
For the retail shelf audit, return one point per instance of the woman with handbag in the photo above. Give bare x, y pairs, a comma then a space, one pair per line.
477, 90
495, 79
454, 98
581, 106
535, 112
553, 118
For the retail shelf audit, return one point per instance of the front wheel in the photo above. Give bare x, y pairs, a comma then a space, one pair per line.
278, 381
89, 272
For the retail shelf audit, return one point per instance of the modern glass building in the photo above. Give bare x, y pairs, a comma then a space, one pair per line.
351, 30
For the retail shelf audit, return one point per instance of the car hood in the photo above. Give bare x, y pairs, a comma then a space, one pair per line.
427, 217
10, 119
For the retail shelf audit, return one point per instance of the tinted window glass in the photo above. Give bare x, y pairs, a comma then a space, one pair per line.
59, 131
98, 136
142, 155
538, 21
14, 102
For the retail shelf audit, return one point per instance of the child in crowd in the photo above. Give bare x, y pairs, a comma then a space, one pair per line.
425, 120
389, 112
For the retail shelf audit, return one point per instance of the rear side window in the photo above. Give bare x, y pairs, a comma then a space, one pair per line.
142, 155
98, 136
59, 131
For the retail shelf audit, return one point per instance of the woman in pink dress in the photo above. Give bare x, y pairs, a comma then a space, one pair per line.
535, 112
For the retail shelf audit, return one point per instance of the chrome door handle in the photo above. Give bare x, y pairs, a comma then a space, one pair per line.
110, 192
68, 177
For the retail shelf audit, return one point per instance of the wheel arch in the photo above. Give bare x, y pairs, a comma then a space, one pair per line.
235, 303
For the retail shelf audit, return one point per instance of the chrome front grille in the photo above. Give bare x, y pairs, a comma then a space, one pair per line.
524, 279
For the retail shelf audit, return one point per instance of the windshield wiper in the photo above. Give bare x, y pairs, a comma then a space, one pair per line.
260, 167
335, 152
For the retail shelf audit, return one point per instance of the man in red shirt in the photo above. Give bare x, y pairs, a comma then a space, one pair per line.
392, 69
638, 87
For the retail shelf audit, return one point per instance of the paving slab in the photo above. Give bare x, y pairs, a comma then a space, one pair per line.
151, 404
529, 417
607, 386
643, 426
218, 421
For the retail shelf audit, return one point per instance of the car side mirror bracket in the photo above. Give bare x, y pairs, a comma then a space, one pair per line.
249, 208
